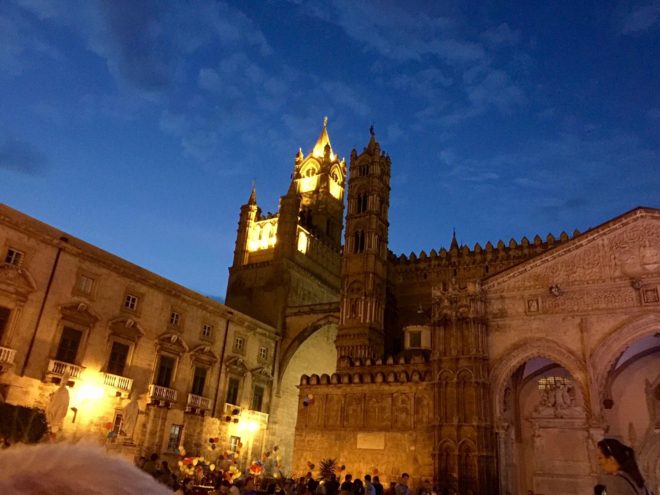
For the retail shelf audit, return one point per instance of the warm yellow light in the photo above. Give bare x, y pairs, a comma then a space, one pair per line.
302, 241
89, 391
335, 189
307, 184
262, 235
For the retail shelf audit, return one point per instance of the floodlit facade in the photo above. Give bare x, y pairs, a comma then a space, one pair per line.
148, 364
489, 369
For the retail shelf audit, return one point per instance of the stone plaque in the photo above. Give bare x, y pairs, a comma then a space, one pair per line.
372, 440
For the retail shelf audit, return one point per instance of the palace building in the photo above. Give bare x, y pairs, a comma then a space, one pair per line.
488, 369
113, 352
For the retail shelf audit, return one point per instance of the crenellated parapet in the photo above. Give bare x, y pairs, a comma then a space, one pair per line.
512, 250
413, 369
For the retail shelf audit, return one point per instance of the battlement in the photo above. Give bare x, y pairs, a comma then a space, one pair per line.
404, 369
512, 250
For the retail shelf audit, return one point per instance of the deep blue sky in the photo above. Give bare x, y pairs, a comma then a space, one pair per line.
139, 126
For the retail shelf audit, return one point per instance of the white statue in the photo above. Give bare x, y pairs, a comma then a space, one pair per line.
129, 417
58, 406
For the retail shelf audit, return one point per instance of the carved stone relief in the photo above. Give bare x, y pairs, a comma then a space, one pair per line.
402, 410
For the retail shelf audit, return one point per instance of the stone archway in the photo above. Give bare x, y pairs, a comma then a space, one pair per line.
312, 352
542, 410
627, 371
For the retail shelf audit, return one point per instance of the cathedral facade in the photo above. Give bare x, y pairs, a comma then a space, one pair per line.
489, 369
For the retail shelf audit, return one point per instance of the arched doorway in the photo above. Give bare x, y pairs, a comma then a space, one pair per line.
631, 403
543, 438
316, 354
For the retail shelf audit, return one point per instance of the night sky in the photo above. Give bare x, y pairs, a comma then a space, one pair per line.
139, 126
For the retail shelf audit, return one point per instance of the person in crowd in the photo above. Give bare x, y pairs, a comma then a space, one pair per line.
621, 473
151, 465
248, 487
377, 486
358, 487
332, 485
369, 488
348, 483
402, 486
186, 487
391, 490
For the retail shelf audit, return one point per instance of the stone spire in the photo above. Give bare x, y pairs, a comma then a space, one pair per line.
454, 242
322, 141
253, 195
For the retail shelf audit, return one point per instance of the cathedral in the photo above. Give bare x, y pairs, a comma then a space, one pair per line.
486, 369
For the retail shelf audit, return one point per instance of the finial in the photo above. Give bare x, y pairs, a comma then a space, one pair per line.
253, 193
454, 242
325, 121
372, 131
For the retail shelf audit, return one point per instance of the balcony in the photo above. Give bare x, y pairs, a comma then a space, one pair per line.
198, 402
60, 368
7, 356
119, 382
156, 392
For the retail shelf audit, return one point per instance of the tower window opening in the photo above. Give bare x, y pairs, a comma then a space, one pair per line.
362, 202
358, 242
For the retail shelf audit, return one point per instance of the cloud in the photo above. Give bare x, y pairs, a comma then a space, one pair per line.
501, 35
20, 156
496, 89
641, 19
19, 42
147, 44
398, 33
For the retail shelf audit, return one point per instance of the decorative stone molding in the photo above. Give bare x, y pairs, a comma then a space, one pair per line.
16, 281
204, 355
172, 343
126, 328
79, 312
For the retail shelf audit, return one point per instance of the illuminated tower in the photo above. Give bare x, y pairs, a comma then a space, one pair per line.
292, 257
364, 264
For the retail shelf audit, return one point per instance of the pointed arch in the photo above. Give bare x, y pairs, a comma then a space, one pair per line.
303, 335
607, 352
530, 348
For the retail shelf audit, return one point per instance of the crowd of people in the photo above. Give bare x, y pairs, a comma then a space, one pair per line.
217, 482
621, 476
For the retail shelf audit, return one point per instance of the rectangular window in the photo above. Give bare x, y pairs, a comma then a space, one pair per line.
415, 339
117, 360
207, 331
174, 319
175, 438
14, 257
233, 385
116, 423
257, 398
199, 379
165, 371
239, 344
4, 320
69, 343
234, 443
131, 302
85, 284
263, 353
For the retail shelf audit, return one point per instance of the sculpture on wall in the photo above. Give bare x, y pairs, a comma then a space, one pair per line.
129, 417
58, 406
557, 400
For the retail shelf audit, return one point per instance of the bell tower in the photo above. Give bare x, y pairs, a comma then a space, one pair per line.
361, 329
292, 257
